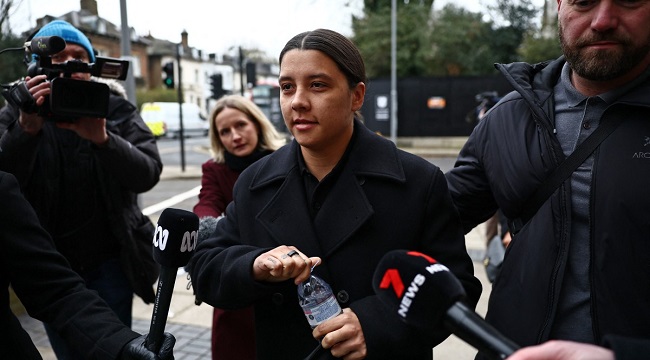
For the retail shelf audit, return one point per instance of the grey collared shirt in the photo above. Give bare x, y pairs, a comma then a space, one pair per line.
576, 117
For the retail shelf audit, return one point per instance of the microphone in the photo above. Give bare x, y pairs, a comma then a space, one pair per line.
45, 45
426, 295
173, 244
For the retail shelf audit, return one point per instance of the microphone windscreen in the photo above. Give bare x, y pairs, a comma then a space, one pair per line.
175, 237
47, 45
417, 288
207, 225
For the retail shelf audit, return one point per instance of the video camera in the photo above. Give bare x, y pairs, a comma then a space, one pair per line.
486, 95
69, 98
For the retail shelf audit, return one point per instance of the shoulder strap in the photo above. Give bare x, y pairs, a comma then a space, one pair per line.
562, 172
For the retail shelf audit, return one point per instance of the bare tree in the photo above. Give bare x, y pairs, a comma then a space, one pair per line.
5, 12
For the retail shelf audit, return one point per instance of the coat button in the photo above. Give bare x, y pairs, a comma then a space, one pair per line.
277, 298
343, 297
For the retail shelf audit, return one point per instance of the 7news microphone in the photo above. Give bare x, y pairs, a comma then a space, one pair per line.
173, 244
45, 45
427, 296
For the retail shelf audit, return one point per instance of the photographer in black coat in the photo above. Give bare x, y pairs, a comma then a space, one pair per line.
82, 175
52, 292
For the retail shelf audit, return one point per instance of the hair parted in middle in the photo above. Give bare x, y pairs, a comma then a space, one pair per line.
337, 47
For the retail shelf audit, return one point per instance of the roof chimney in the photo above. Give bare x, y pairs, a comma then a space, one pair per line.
184, 41
90, 6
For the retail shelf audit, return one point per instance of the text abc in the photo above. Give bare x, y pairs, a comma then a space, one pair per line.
161, 236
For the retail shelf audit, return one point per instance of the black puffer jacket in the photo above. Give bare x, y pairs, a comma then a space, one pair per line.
508, 156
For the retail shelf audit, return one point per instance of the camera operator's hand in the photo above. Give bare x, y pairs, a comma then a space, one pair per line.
39, 88
92, 129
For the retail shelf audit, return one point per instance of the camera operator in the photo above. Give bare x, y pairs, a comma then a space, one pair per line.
82, 176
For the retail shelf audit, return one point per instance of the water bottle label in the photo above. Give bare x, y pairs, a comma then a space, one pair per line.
317, 314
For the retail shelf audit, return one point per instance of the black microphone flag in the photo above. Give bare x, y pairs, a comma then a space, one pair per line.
426, 295
173, 244
400, 280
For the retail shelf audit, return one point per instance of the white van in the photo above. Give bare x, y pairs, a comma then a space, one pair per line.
163, 119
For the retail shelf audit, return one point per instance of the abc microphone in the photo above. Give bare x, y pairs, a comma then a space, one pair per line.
45, 45
426, 295
173, 244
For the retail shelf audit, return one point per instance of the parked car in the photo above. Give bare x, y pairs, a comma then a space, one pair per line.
163, 119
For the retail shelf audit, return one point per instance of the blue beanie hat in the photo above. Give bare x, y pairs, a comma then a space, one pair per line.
69, 33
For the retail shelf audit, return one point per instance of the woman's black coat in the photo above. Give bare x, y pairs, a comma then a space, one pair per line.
384, 199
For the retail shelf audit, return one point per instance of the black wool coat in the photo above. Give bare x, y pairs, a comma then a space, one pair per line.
384, 199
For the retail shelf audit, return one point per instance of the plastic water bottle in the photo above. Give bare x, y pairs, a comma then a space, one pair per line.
317, 301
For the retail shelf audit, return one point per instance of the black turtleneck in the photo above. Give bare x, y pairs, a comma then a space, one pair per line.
239, 163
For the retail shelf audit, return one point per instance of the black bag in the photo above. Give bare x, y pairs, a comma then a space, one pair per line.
137, 260
494, 257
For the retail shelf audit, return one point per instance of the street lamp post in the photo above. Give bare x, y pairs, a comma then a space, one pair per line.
393, 72
125, 44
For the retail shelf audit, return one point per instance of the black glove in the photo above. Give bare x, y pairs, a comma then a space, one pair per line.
135, 349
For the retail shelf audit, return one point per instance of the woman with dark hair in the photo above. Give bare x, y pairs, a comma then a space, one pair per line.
340, 197
239, 135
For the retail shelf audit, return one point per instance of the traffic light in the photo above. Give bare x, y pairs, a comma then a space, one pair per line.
251, 77
216, 85
168, 78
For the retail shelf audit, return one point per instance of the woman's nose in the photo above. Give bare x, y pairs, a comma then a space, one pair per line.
300, 100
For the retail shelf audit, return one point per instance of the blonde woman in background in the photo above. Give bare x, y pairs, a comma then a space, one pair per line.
240, 134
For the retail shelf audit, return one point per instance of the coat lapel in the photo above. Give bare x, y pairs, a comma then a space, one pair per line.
346, 208
286, 216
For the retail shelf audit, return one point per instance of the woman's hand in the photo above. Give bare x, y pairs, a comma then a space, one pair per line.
283, 263
343, 335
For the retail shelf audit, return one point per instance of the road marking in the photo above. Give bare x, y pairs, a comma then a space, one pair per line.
195, 148
171, 201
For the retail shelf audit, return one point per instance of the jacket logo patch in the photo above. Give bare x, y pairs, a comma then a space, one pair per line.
643, 154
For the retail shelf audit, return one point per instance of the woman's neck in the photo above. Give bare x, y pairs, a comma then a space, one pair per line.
320, 162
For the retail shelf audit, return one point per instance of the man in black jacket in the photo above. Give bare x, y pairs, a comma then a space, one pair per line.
52, 292
82, 176
579, 269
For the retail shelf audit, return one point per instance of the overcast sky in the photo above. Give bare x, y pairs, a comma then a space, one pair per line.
216, 25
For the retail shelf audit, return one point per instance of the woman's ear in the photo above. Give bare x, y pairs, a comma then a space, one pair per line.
358, 94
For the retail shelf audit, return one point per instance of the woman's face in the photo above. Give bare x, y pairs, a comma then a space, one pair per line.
317, 103
237, 132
